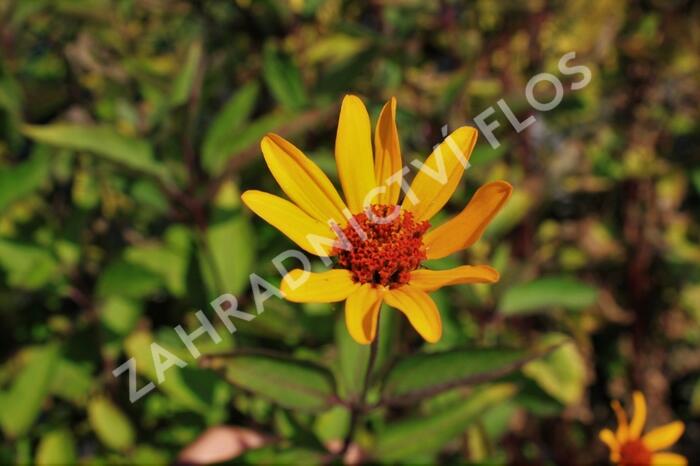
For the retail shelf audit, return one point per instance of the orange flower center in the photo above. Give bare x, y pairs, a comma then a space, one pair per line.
635, 453
382, 246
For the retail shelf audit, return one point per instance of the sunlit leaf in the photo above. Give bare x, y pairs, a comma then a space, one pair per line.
28, 266
110, 424
22, 404
103, 141
72, 381
562, 373
56, 447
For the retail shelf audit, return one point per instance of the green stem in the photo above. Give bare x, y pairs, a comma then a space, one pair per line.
359, 408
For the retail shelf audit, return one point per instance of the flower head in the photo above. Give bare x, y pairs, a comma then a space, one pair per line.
628, 447
378, 243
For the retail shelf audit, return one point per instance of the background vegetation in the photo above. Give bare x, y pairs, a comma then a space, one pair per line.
129, 128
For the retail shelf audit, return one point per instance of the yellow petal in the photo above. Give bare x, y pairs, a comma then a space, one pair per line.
420, 310
668, 459
302, 180
467, 227
331, 286
353, 153
431, 280
608, 438
640, 415
622, 433
362, 313
438, 178
664, 436
387, 155
291, 221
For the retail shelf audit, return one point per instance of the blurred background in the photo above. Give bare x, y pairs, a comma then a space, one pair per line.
129, 128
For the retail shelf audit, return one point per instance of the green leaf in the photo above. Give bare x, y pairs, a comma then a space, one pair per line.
190, 387
182, 87
283, 78
512, 213
695, 178
423, 435
119, 315
279, 456
290, 383
72, 381
56, 447
226, 256
222, 138
562, 373
333, 424
168, 260
103, 141
22, 404
122, 278
10, 109
110, 424
28, 266
548, 292
247, 138
21, 180
416, 376
353, 359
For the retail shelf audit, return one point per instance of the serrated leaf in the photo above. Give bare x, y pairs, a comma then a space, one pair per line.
290, 383
103, 141
417, 375
423, 435
110, 424
545, 293
22, 404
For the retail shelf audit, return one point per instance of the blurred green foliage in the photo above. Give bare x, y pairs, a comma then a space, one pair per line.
129, 128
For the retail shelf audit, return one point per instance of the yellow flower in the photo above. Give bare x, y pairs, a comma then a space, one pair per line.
377, 243
628, 447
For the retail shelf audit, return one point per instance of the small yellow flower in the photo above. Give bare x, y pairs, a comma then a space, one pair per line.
377, 243
628, 447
